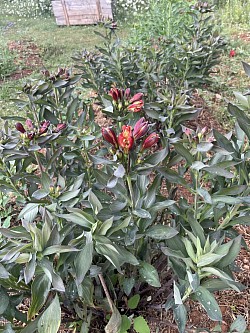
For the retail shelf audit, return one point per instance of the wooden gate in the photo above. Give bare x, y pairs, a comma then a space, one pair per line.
78, 12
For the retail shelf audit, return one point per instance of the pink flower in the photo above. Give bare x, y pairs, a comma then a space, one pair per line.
150, 141
140, 128
136, 97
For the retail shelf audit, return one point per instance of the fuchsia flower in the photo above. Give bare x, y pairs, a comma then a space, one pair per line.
150, 141
125, 139
136, 106
119, 94
232, 53
20, 127
110, 136
140, 128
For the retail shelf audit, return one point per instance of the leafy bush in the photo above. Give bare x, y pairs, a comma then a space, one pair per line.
95, 224
26, 8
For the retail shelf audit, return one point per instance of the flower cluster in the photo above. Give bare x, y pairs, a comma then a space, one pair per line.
62, 73
31, 132
123, 100
128, 137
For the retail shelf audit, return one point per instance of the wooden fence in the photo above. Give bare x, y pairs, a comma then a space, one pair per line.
78, 12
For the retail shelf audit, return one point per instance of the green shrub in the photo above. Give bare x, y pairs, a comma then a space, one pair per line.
94, 226
7, 65
26, 8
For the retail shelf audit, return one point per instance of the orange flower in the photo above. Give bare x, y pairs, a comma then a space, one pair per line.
125, 139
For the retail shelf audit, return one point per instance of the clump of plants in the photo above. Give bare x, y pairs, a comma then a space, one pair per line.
96, 225
7, 65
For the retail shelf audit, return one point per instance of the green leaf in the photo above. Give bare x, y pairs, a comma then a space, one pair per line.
239, 325
218, 171
128, 285
134, 301
58, 249
204, 147
78, 218
217, 272
232, 253
29, 270
4, 297
209, 303
208, 258
142, 213
156, 158
8, 329
181, 150
39, 292
83, 262
243, 120
115, 322
180, 316
246, 67
126, 324
40, 194
29, 212
95, 203
51, 318
177, 295
140, 325
66, 196
4, 274
149, 274
161, 232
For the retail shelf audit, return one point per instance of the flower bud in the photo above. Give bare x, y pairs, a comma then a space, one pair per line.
136, 106
44, 127
140, 128
60, 127
137, 97
150, 141
20, 127
29, 124
110, 136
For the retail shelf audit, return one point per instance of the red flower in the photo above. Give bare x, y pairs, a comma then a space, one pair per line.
110, 136
20, 127
150, 141
116, 94
137, 97
140, 128
136, 106
232, 53
125, 139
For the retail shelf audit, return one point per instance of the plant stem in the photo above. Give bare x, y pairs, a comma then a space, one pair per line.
130, 188
106, 291
39, 163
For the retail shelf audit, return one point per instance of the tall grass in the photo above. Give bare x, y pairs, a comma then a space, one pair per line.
234, 12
